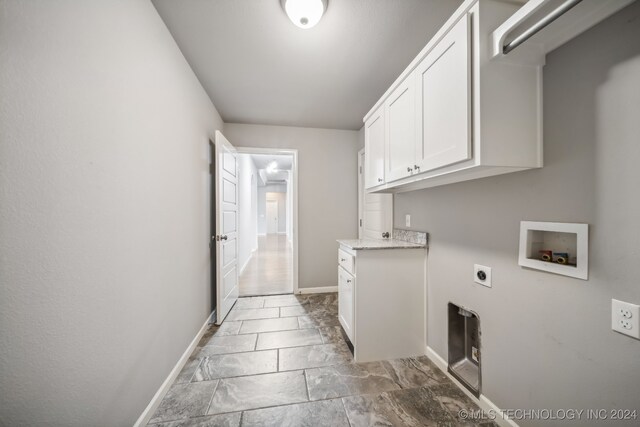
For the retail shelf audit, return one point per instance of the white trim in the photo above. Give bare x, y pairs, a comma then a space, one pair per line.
246, 263
483, 402
360, 191
148, 412
320, 290
294, 201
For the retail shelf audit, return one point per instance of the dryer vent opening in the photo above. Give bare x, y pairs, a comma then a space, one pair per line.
464, 347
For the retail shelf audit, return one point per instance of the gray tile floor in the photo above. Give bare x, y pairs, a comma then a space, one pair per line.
282, 361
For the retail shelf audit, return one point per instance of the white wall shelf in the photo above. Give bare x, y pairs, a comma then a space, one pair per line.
555, 247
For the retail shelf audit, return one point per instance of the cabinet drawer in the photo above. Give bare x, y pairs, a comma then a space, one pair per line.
346, 261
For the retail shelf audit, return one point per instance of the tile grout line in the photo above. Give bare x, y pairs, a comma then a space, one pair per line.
306, 385
346, 414
263, 349
194, 372
206, 412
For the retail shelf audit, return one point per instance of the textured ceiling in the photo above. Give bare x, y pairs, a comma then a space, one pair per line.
258, 67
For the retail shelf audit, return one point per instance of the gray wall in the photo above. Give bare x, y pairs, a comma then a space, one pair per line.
547, 339
104, 210
327, 190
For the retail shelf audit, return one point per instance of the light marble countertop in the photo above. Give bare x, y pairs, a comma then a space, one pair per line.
363, 244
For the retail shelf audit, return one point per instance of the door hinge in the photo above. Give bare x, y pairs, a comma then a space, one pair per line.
360, 223
360, 170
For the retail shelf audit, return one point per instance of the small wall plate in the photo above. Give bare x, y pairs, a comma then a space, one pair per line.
482, 275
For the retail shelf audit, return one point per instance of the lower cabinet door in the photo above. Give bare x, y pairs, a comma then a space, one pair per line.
345, 302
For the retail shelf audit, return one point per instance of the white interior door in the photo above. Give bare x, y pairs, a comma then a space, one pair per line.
226, 179
376, 210
272, 217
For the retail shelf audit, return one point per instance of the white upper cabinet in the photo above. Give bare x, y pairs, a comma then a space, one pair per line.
456, 113
443, 109
374, 137
400, 145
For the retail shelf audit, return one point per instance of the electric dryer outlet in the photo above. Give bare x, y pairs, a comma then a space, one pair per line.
482, 275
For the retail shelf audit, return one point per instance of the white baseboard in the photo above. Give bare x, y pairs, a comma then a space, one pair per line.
164, 388
320, 290
245, 264
483, 402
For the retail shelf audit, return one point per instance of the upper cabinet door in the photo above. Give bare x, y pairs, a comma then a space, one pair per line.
443, 107
374, 150
401, 131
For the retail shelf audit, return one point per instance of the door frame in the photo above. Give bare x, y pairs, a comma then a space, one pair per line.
294, 198
360, 191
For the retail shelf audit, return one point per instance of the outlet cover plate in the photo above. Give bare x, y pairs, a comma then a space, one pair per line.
477, 268
625, 318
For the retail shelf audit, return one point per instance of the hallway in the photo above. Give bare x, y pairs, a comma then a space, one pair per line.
270, 268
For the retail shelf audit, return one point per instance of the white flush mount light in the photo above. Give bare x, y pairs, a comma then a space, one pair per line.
272, 167
304, 13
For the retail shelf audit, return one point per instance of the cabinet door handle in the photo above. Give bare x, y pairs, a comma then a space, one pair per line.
409, 169
342, 259
416, 167
379, 179
348, 280
224, 237
385, 235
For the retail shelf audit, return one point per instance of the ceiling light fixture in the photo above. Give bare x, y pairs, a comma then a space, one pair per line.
304, 13
272, 167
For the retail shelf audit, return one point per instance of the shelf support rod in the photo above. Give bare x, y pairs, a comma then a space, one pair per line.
531, 31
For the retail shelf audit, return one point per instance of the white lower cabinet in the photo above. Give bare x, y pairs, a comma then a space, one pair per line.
382, 306
346, 286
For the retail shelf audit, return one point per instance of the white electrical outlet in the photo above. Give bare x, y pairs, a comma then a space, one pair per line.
407, 220
625, 318
482, 275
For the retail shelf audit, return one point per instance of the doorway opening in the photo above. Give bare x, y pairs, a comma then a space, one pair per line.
267, 221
